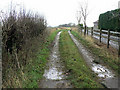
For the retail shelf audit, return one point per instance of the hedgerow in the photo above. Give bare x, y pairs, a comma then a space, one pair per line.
110, 20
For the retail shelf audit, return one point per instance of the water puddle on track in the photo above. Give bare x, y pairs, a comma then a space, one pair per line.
102, 71
54, 75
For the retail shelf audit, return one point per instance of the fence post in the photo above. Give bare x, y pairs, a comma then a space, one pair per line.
81, 31
119, 46
108, 38
100, 34
78, 28
91, 31
87, 30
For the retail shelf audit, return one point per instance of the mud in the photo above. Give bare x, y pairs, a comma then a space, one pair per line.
54, 76
102, 71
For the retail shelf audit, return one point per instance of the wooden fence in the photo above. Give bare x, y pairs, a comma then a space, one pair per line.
107, 34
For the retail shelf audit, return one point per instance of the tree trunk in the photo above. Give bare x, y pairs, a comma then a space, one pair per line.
85, 28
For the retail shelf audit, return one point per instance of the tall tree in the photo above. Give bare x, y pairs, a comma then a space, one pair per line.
79, 17
84, 13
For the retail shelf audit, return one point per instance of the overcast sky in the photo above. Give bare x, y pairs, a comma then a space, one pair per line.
64, 11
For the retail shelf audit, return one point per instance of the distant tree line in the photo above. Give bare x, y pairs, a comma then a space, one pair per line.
67, 25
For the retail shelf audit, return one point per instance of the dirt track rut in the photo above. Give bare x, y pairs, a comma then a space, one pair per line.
109, 79
54, 76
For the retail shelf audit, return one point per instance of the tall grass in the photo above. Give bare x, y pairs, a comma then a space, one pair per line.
104, 55
21, 32
78, 72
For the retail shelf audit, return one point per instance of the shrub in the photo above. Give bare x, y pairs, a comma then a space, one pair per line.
19, 29
110, 20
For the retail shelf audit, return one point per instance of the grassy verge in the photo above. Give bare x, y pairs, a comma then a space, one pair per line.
35, 68
29, 75
112, 61
80, 74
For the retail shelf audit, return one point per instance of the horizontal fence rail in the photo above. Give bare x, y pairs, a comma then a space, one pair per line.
106, 34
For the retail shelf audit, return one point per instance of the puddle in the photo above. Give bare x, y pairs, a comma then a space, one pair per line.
102, 71
54, 75
54, 72
108, 77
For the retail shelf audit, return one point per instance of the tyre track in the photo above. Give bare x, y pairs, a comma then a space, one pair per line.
109, 79
54, 76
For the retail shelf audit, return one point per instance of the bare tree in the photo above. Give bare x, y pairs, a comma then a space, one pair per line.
79, 17
84, 13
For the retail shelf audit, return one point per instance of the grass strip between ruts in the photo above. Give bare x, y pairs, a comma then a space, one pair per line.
80, 74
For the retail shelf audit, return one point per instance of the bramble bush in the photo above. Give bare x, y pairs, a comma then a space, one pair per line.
19, 32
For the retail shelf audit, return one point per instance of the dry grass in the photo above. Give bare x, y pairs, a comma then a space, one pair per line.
108, 56
111, 52
74, 28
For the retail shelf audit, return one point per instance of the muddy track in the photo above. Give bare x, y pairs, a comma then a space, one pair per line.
54, 75
108, 77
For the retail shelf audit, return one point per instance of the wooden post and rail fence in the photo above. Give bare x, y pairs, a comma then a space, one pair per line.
107, 34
